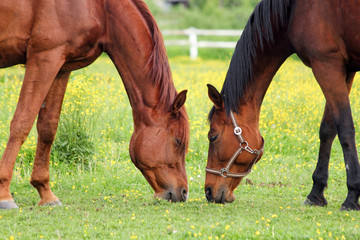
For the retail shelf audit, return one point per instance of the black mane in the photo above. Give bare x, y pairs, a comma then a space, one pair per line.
268, 17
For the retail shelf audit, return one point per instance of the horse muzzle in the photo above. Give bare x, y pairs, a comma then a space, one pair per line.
178, 195
222, 195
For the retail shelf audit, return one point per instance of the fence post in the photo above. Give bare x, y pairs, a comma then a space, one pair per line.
193, 43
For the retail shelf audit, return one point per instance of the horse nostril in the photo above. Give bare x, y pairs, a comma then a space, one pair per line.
178, 196
169, 196
184, 194
208, 194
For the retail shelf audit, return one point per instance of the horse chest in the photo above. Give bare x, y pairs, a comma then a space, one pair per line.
12, 53
81, 61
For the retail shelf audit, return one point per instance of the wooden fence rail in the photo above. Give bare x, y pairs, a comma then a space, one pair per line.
194, 44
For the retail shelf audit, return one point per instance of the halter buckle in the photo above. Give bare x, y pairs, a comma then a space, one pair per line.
222, 171
237, 131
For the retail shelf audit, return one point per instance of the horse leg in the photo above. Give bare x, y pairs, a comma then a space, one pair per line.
331, 78
321, 173
41, 70
46, 126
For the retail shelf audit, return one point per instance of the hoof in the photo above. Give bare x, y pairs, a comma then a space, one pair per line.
308, 202
8, 204
315, 201
355, 207
53, 203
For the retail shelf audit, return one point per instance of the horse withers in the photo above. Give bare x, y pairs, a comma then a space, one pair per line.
324, 34
53, 38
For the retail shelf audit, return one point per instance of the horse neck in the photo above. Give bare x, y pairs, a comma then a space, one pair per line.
264, 68
262, 48
131, 32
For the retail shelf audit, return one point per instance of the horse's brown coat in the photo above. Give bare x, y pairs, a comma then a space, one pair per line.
55, 37
324, 34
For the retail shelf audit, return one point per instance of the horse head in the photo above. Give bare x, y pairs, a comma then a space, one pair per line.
234, 147
158, 147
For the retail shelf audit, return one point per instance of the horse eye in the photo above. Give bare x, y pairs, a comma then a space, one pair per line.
213, 138
178, 142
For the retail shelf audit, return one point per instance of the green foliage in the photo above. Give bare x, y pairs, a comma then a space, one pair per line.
209, 17
228, 4
208, 14
204, 14
73, 144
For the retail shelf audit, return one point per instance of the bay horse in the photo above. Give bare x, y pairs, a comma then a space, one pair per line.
54, 38
325, 35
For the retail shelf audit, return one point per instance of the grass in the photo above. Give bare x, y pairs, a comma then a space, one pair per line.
110, 199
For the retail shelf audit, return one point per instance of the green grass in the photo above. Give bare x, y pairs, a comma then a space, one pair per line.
110, 199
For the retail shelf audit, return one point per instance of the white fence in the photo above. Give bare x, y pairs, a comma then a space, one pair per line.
194, 44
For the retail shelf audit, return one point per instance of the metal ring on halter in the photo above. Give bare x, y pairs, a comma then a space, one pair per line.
237, 131
222, 171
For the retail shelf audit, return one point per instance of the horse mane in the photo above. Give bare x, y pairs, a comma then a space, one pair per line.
160, 72
268, 17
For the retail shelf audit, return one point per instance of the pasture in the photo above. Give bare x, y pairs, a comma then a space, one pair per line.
106, 197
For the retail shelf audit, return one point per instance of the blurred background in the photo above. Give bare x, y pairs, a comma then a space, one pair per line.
201, 14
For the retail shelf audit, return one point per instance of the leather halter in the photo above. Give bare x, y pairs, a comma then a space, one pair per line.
224, 172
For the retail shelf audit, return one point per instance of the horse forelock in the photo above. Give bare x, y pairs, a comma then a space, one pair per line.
268, 17
158, 63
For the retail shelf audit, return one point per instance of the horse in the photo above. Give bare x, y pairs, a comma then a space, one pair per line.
324, 35
53, 38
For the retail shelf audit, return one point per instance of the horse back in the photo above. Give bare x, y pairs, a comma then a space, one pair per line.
327, 29
28, 27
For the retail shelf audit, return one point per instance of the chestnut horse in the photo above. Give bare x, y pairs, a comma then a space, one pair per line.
54, 38
324, 34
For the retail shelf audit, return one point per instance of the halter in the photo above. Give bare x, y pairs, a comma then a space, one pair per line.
224, 172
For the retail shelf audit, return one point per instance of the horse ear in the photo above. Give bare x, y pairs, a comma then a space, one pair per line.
179, 101
215, 96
